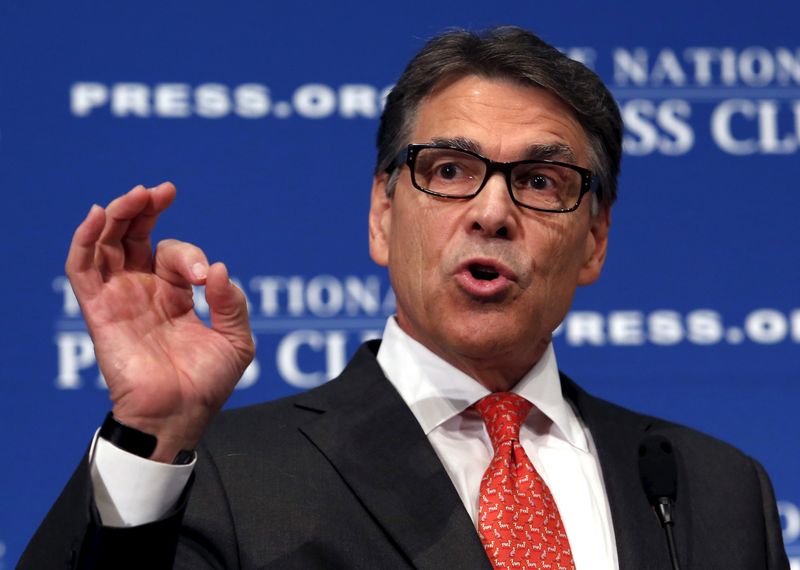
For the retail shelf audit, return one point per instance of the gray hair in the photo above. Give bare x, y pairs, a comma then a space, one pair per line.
517, 55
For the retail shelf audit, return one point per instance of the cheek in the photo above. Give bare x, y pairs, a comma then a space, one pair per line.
548, 250
407, 257
556, 256
419, 258
421, 239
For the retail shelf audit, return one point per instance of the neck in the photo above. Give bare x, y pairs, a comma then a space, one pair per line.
500, 373
498, 364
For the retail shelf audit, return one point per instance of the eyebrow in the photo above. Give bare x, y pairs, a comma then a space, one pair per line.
542, 151
461, 143
562, 152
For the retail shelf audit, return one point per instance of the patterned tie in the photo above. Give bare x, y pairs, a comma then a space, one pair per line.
518, 519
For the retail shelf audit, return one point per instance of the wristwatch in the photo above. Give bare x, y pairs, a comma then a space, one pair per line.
137, 442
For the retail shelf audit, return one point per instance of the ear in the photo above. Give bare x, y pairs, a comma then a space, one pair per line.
380, 221
596, 246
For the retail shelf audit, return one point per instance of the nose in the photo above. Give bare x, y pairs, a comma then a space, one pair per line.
492, 212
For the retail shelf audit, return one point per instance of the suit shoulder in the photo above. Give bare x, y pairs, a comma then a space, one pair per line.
265, 417
607, 417
277, 421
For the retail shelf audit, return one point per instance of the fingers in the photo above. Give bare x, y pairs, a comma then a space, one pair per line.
80, 267
116, 237
180, 263
228, 308
136, 241
125, 239
183, 265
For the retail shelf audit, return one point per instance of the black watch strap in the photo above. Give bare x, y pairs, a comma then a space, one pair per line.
137, 442
127, 438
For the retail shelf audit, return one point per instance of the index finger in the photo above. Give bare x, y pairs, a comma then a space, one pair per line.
80, 267
136, 240
125, 240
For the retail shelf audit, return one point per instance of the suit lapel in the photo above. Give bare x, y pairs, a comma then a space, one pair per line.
617, 434
369, 435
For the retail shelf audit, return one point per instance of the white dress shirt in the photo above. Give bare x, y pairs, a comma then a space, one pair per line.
553, 436
131, 491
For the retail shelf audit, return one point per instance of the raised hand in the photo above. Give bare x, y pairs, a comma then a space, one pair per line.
167, 372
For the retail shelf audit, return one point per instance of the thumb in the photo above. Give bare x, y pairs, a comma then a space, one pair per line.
228, 307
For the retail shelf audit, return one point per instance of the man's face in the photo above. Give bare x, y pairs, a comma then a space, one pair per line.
483, 282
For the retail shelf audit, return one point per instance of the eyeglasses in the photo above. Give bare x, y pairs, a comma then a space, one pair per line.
542, 185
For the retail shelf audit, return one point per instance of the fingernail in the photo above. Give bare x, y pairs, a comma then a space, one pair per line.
199, 270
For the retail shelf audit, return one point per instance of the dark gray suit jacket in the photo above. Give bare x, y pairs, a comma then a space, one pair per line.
343, 477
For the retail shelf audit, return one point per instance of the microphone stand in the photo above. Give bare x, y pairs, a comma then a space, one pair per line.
663, 509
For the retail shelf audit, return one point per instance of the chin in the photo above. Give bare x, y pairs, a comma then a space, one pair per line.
482, 339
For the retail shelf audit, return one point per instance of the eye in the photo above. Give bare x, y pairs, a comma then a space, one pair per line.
446, 166
448, 171
539, 182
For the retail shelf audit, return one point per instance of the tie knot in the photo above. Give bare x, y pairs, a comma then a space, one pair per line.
503, 413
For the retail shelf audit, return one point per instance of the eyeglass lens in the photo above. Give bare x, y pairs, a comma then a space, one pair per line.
451, 172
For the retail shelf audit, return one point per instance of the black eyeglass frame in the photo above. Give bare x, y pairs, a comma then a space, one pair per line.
408, 156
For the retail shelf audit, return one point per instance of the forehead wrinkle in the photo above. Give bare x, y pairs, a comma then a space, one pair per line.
461, 106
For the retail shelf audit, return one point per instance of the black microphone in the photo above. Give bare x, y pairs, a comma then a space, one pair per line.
659, 474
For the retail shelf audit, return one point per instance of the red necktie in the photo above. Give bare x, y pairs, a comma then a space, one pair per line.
518, 519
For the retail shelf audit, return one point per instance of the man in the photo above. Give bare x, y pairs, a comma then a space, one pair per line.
454, 444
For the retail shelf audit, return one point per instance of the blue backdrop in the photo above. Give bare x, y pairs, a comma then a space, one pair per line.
248, 107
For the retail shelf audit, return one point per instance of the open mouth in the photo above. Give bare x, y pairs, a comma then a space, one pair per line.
485, 279
483, 272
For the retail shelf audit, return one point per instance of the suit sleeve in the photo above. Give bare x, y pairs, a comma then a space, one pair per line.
73, 537
776, 552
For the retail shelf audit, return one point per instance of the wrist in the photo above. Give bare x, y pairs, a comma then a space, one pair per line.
143, 444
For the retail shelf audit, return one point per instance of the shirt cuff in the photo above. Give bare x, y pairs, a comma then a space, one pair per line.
130, 490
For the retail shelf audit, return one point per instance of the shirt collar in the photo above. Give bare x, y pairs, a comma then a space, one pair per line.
435, 390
